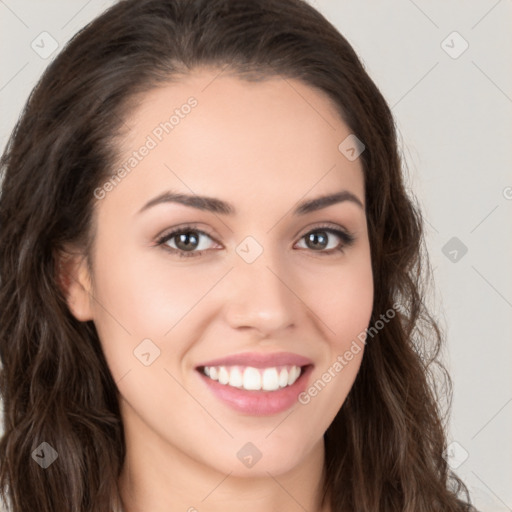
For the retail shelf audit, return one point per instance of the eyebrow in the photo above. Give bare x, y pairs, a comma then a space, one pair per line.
214, 205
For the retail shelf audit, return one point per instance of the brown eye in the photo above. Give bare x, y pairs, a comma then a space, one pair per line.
323, 240
185, 241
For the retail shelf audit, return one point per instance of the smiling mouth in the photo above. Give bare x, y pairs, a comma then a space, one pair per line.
249, 378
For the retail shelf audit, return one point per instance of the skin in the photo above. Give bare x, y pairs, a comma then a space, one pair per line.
263, 147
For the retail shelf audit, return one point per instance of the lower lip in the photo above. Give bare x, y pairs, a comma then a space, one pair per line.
259, 403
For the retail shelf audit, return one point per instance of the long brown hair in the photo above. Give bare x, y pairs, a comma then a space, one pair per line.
385, 449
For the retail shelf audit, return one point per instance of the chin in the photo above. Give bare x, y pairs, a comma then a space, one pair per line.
257, 460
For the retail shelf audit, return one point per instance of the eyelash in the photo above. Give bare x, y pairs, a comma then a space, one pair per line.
346, 237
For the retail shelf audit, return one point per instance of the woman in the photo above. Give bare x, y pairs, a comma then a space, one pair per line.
211, 275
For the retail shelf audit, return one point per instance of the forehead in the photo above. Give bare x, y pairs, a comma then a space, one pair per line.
223, 136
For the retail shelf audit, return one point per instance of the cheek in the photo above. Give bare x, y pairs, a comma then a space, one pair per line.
147, 294
142, 296
344, 305
342, 298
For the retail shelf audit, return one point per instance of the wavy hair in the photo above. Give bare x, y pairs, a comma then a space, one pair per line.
385, 449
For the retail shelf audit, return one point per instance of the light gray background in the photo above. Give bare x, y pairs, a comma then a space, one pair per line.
454, 118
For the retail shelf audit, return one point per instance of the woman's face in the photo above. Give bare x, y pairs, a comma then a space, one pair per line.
263, 283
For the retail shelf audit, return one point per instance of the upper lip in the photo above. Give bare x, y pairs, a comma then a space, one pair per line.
259, 360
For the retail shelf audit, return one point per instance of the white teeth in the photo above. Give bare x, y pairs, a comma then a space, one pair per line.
283, 378
223, 375
236, 378
270, 382
293, 375
254, 379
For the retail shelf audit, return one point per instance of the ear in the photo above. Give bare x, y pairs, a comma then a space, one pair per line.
75, 282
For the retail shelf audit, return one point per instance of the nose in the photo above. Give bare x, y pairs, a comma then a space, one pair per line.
261, 297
